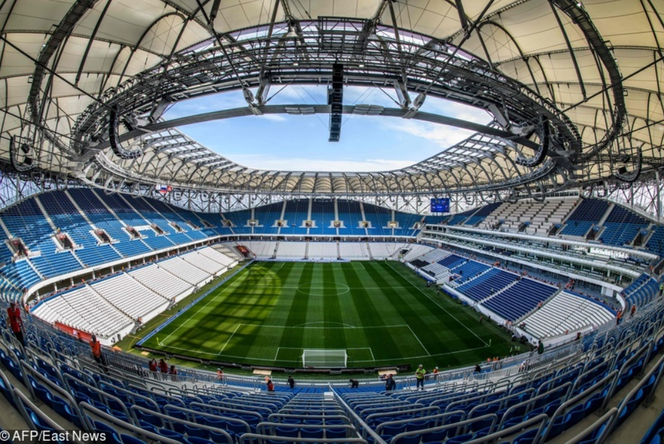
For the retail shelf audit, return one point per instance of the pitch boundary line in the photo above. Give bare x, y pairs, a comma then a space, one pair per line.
441, 307
229, 339
197, 311
418, 340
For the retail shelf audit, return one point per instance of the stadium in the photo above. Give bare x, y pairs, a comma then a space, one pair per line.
331, 221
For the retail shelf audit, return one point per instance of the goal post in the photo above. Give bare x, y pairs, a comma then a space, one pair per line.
319, 358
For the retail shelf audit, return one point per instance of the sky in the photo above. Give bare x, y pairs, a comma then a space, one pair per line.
300, 143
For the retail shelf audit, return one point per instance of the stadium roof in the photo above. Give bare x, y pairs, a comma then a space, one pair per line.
574, 87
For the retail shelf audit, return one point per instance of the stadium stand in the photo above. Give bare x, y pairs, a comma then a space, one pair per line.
516, 301
588, 212
567, 312
621, 226
487, 284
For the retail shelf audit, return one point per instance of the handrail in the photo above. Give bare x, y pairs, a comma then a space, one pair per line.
622, 369
87, 422
249, 438
527, 402
541, 418
363, 426
658, 367
190, 412
501, 400
260, 428
23, 402
227, 409
611, 377
275, 416
609, 417
61, 392
460, 424
402, 412
171, 420
104, 396
435, 417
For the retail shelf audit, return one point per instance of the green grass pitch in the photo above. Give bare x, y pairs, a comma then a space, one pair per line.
379, 312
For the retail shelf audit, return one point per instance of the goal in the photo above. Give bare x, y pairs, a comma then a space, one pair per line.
324, 358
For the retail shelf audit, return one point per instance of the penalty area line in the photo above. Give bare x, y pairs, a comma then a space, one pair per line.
418, 340
229, 339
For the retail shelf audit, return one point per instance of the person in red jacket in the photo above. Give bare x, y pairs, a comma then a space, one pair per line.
97, 354
14, 316
153, 366
163, 367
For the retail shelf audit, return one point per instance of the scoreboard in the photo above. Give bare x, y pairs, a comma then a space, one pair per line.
440, 205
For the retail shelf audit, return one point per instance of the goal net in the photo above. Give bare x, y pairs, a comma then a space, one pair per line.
324, 358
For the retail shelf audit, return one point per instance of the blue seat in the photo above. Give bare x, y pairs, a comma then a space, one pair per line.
128, 439
197, 440
393, 430
292, 432
312, 433
413, 439
196, 431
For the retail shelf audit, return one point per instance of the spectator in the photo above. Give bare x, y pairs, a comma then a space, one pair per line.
163, 367
152, 366
174, 373
435, 374
269, 384
478, 369
14, 315
220, 374
97, 353
419, 376
354, 383
291, 382
389, 383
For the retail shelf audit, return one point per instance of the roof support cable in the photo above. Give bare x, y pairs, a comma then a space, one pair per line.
248, 95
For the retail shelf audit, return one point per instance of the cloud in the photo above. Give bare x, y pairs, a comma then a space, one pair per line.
264, 162
274, 117
442, 135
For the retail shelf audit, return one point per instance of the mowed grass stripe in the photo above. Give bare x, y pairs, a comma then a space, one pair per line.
423, 315
331, 307
384, 346
254, 304
262, 339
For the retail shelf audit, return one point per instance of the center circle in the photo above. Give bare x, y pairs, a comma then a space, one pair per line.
323, 290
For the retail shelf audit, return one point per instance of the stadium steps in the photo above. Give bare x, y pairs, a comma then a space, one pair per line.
471, 279
146, 287
46, 215
27, 261
364, 216
111, 303
549, 299
512, 284
92, 225
605, 216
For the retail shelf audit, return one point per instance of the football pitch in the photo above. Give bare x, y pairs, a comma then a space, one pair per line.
380, 313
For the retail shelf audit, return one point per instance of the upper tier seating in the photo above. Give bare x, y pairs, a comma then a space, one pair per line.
622, 226
587, 213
